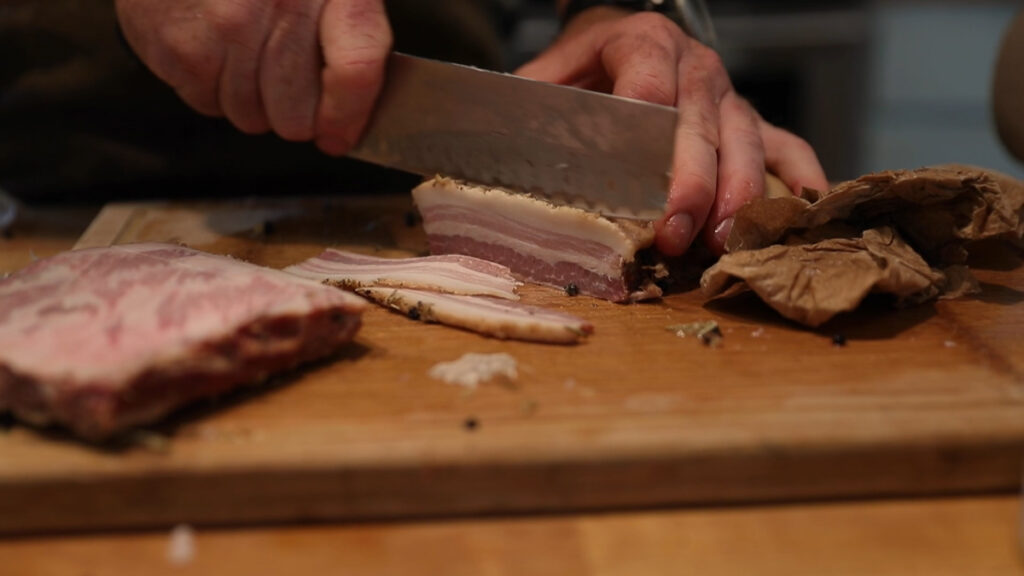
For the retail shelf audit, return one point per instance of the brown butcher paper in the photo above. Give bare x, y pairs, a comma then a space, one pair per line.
901, 232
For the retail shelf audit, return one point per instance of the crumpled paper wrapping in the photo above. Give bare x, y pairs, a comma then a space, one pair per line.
898, 232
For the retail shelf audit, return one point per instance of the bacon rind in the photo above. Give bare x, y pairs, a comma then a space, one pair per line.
483, 314
449, 273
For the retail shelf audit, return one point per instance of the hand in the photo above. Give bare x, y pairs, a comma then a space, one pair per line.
306, 69
722, 145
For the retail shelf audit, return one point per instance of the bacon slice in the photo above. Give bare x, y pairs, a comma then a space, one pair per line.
108, 338
483, 314
454, 274
539, 241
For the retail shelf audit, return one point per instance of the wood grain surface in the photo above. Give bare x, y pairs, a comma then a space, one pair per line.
934, 537
921, 401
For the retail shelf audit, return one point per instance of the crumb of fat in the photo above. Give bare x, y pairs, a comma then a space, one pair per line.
473, 368
181, 549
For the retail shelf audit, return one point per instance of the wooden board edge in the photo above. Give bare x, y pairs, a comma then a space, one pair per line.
107, 226
266, 495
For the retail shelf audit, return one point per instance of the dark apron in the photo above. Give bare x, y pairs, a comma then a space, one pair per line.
82, 119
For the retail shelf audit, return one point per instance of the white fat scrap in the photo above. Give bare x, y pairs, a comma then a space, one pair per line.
453, 274
473, 369
484, 315
181, 547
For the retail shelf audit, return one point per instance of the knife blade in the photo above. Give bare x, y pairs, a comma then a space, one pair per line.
600, 152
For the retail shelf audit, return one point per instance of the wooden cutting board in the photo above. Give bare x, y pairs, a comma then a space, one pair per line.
920, 401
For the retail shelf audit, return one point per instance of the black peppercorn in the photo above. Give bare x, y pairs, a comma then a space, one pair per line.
413, 313
838, 339
571, 289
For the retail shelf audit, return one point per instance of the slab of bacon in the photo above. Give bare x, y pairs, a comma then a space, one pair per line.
104, 339
483, 314
454, 274
541, 242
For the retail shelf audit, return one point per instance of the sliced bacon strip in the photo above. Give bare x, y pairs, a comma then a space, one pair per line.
539, 241
451, 273
483, 314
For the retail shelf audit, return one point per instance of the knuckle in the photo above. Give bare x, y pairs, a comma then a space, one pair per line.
747, 125
654, 49
712, 60
230, 19
749, 137
700, 186
360, 70
650, 88
702, 128
653, 34
704, 65
183, 60
799, 146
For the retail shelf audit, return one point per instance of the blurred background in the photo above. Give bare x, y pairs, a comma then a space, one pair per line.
872, 85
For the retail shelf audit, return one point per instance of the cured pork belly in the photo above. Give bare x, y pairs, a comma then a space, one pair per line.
483, 314
451, 273
541, 242
455, 290
103, 339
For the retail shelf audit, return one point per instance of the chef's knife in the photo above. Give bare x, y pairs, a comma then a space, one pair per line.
603, 153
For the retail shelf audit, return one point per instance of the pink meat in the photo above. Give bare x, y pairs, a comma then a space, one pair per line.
103, 339
546, 244
451, 273
614, 287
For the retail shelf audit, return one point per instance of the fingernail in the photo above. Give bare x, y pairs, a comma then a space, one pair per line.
680, 229
722, 231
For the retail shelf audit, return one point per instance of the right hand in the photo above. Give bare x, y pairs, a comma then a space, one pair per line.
305, 69
722, 144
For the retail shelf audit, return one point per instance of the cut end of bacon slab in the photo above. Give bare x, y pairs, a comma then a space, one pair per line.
103, 339
539, 241
483, 314
450, 273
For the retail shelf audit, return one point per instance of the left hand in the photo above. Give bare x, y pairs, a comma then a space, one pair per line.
722, 145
